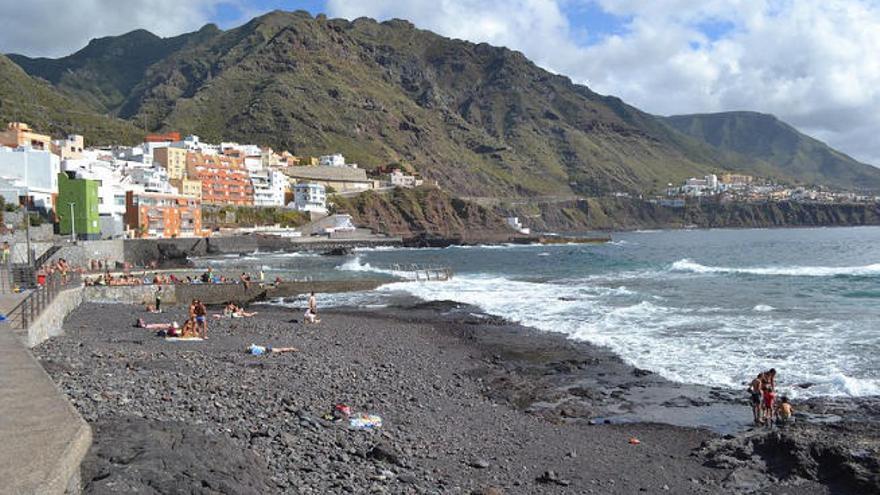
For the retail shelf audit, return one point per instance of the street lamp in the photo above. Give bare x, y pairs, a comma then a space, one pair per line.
72, 224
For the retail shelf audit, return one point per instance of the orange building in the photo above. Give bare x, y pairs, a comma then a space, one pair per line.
225, 180
162, 215
20, 134
162, 138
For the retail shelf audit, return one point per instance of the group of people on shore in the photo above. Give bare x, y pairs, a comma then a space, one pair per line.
767, 409
208, 277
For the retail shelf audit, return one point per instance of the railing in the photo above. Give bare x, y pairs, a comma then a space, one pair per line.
419, 272
30, 308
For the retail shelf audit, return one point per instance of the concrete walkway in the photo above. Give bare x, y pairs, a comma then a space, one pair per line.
9, 300
43, 439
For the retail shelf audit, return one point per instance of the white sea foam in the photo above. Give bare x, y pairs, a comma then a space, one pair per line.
712, 346
686, 265
357, 265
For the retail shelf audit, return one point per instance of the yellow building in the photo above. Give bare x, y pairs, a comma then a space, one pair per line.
188, 187
173, 160
728, 178
69, 148
20, 134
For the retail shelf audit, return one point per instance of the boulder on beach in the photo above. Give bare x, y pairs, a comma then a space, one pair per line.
136, 455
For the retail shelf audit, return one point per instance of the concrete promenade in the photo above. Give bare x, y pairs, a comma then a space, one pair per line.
43, 439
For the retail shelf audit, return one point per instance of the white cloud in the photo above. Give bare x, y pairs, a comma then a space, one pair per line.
813, 63
59, 27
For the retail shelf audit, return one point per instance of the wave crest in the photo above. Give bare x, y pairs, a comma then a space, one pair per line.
686, 265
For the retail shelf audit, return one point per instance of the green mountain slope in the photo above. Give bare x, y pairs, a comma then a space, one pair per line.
25, 99
104, 73
766, 138
482, 121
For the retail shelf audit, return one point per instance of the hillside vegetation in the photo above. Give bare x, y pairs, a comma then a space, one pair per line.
481, 120
765, 138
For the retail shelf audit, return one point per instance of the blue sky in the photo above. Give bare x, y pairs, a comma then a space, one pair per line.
588, 20
813, 63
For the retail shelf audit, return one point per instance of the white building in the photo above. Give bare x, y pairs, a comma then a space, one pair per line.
112, 186
153, 179
400, 179
515, 224
253, 163
309, 197
335, 160
269, 187
29, 172
699, 187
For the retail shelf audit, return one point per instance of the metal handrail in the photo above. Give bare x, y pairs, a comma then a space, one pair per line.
29, 308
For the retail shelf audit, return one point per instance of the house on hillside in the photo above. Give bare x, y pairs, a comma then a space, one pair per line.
342, 179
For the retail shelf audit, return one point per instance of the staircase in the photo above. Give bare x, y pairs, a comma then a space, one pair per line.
46, 255
23, 275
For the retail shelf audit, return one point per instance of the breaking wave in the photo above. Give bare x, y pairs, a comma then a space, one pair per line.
686, 265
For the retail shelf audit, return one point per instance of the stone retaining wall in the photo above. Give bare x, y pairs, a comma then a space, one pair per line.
51, 321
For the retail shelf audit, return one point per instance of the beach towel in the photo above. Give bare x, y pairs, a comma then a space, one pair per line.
184, 339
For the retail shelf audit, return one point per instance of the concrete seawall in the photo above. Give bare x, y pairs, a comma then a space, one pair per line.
218, 293
43, 439
141, 251
51, 321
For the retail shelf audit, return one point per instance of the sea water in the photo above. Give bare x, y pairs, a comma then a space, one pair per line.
713, 307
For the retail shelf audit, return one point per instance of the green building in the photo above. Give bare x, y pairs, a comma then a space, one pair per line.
83, 193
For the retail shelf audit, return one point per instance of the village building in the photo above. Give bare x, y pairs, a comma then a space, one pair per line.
19, 134
309, 197
224, 179
162, 215
341, 179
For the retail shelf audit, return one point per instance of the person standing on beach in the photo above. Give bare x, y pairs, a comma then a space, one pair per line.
311, 315
201, 314
158, 296
755, 393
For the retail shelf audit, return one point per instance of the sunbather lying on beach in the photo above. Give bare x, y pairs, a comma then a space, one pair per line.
258, 350
155, 326
232, 310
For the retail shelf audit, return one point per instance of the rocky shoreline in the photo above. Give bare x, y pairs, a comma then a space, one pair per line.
470, 404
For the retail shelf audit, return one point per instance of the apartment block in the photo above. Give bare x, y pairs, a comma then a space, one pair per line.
188, 187
172, 159
162, 215
225, 180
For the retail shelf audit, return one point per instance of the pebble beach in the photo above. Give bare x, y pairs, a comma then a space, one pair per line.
469, 404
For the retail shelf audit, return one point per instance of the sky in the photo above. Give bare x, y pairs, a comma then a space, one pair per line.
815, 64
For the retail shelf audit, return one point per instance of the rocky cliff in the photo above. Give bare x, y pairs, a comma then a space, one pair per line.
626, 213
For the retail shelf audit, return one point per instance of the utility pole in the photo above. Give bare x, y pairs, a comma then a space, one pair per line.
72, 224
27, 228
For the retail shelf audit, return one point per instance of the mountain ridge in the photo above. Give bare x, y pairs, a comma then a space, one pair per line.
481, 120
765, 137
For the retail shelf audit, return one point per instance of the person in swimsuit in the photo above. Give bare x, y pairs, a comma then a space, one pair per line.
755, 389
784, 412
201, 314
769, 404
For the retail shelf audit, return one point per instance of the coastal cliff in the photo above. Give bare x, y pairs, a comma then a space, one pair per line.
425, 212
432, 212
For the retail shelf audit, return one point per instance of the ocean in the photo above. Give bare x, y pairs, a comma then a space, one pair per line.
711, 307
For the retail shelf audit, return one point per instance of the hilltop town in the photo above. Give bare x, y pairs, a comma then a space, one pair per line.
168, 185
